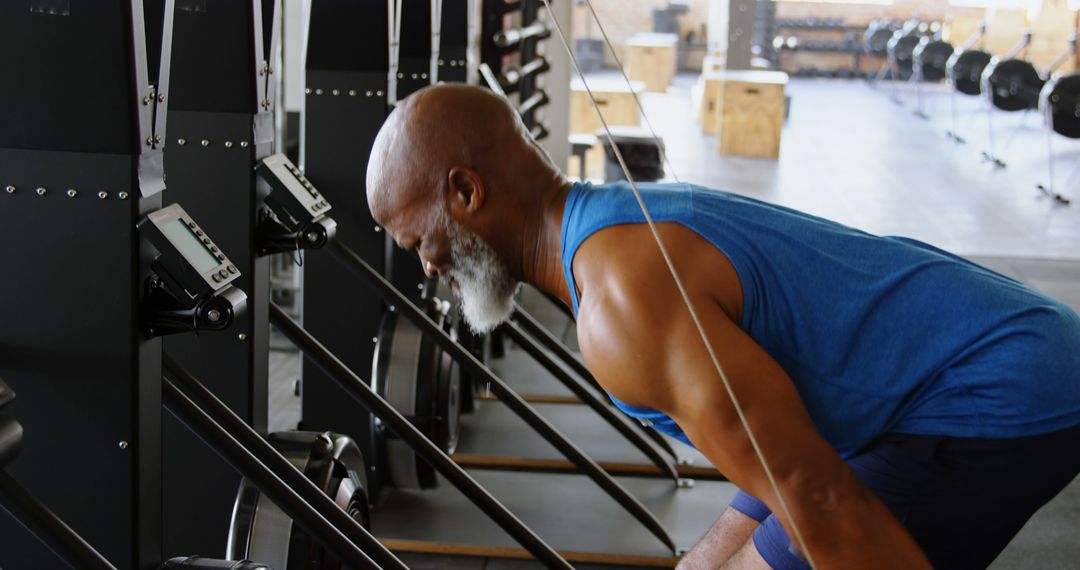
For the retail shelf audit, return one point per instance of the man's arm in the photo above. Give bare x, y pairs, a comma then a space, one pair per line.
638, 338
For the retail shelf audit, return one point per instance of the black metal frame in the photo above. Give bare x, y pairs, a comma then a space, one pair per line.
269, 483
360, 391
392, 296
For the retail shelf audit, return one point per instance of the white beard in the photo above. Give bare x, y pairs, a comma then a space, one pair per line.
484, 284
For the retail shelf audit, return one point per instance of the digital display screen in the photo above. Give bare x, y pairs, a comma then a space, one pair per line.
307, 197
190, 245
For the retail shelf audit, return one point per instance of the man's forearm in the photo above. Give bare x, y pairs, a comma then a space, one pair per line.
853, 529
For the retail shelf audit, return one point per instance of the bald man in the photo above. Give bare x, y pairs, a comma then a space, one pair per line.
914, 408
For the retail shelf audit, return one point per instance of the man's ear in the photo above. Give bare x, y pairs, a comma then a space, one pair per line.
467, 191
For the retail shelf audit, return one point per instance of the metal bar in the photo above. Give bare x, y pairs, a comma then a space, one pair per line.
538, 99
466, 359
48, 528
267, 482
11, 434
274, 461
550, 342
351, 383
592, 399
511, 79
544, 465
508, 39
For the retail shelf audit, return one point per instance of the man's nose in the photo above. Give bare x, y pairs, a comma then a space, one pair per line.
431, 270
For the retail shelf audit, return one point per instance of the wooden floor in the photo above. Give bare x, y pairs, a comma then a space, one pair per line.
849, 154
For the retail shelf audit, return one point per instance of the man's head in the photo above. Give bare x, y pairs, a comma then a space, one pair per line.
453, 175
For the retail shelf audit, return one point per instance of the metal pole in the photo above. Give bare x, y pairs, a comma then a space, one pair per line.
404, 429
550, 342
587, 395
463, 357
267, 482
274, 461
48, 528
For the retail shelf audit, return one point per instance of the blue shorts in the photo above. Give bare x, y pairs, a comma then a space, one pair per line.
962, 499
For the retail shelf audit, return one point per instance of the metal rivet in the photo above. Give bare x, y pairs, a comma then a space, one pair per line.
374, 339
123, 444
205, 142
243, 144
443, 62
414, 76
401, 76
379, 93
122, 195
318, 91
41, 191
102, 195
149, 140
336, 92
146, 100
420, 286
686, 483
368, 94
9, 189
423, 76
241, 336
352, 92
72, 193
378, 229
181, 142
307, 91
228, 144
157, 139
161, 98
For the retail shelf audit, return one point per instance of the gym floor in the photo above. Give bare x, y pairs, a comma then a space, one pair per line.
851, 154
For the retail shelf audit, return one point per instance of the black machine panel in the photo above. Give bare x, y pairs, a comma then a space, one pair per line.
50, 116
455, 41
414, 61
214, 52
347, 70
350, 36
78, 168
220, 126
82, 343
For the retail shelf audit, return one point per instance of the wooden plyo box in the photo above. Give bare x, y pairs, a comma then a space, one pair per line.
748, 116
652, 58
616, 101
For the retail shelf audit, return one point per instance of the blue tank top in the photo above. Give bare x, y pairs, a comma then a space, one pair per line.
878, 334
